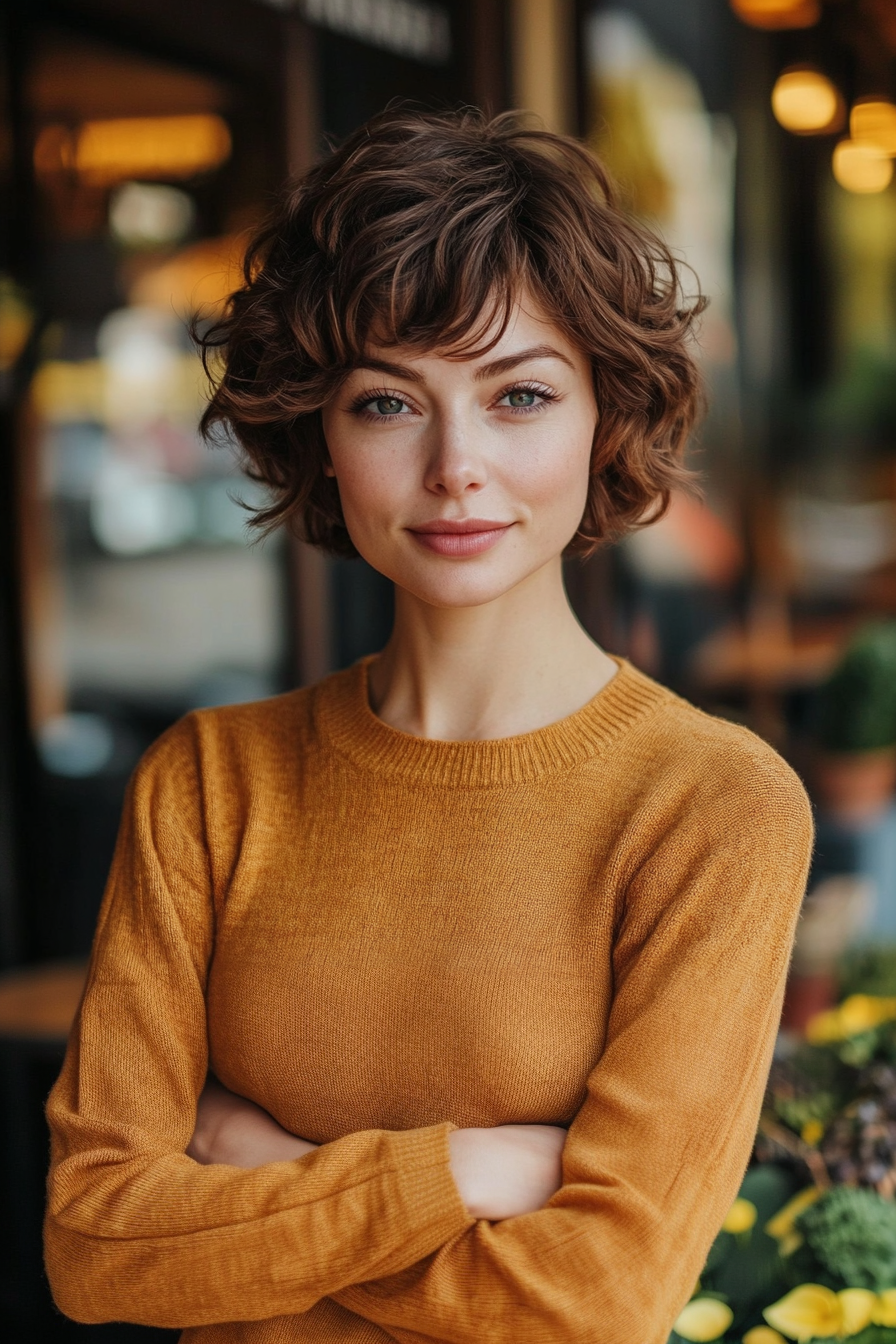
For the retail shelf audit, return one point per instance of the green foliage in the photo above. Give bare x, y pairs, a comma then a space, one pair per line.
769, 1187
849, 1233
877, 1043
746, 1271
869, 970
812, 1084
752, 1277
872, 1334
852, 1235
857, 706
795, 1111
875, 1334
862, 399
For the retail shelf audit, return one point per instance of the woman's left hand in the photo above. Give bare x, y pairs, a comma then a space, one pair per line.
233, 1130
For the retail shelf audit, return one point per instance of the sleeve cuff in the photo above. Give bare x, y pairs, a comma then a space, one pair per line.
427, 1197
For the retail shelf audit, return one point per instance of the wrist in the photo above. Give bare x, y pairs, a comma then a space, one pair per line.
463, 1153
506, 1170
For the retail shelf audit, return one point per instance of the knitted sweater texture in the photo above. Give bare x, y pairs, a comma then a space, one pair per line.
378, 937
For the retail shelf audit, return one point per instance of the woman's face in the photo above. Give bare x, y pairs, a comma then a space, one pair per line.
461, 477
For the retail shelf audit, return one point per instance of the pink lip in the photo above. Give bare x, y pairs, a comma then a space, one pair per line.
468, 536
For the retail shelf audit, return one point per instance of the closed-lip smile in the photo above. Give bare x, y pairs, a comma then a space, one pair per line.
459, 537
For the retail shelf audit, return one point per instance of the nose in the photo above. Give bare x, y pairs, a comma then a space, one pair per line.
455, 465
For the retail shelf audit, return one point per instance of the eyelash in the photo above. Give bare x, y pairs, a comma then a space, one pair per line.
361, 402
539, 389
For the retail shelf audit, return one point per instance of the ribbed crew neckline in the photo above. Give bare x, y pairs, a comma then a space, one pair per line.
345, 717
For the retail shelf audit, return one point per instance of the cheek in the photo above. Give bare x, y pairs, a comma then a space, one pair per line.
359, 474
372, 489
556, 479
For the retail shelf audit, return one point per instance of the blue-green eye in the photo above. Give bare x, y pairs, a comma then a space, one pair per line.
387, 405
527, 400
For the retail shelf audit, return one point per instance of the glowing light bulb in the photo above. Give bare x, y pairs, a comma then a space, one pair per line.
873, 122
806, 102
861, 167
777, 13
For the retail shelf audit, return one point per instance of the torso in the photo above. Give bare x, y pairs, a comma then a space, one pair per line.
404, 941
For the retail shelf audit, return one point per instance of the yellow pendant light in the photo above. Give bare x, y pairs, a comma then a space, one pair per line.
778, 13
873, 122
806, 102
861, 167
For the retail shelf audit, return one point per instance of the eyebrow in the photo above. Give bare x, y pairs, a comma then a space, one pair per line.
499, 366
493, 369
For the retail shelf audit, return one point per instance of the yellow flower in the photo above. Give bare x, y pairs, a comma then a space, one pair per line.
860, 1012
808, 1312
763, 1334
781, 1227
884, 1312
740, 1217
857, 1306
811, 1132
703, 1319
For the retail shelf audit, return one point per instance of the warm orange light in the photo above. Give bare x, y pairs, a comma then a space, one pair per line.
135, 147
778, 13
873, 122
861, 167
806, 102
200, 277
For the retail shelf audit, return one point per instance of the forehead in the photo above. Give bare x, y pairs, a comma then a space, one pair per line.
528, 328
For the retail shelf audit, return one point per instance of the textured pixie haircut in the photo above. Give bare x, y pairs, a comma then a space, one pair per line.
423, 229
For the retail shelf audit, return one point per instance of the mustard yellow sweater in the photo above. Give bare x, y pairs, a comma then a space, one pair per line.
378, 937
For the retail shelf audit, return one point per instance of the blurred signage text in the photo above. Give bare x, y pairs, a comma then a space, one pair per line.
406, 27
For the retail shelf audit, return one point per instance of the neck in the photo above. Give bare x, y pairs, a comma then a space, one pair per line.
506, 667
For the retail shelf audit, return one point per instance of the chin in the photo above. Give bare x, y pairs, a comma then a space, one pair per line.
456, 585
455, 597
452, 584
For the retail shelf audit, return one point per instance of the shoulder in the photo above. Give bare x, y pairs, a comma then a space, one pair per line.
703, 768
255, 738
717, 828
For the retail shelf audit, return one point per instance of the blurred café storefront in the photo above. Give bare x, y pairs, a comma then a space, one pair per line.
141, 142
144, 142
760, 137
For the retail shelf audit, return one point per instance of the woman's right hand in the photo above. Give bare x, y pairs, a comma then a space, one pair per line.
507, 1170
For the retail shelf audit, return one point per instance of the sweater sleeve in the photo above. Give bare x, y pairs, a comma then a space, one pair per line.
135, 1229
656, 1153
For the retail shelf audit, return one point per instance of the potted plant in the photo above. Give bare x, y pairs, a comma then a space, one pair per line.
853, 776
854, 772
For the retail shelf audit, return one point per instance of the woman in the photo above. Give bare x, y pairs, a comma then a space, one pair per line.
482, 941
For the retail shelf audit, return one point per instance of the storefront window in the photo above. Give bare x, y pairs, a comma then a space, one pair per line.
144, 595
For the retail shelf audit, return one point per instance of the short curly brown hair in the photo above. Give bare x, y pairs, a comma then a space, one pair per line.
422, 228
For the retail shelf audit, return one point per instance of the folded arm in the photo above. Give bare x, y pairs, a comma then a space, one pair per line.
499, 1173
657, 1152
138, 1230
